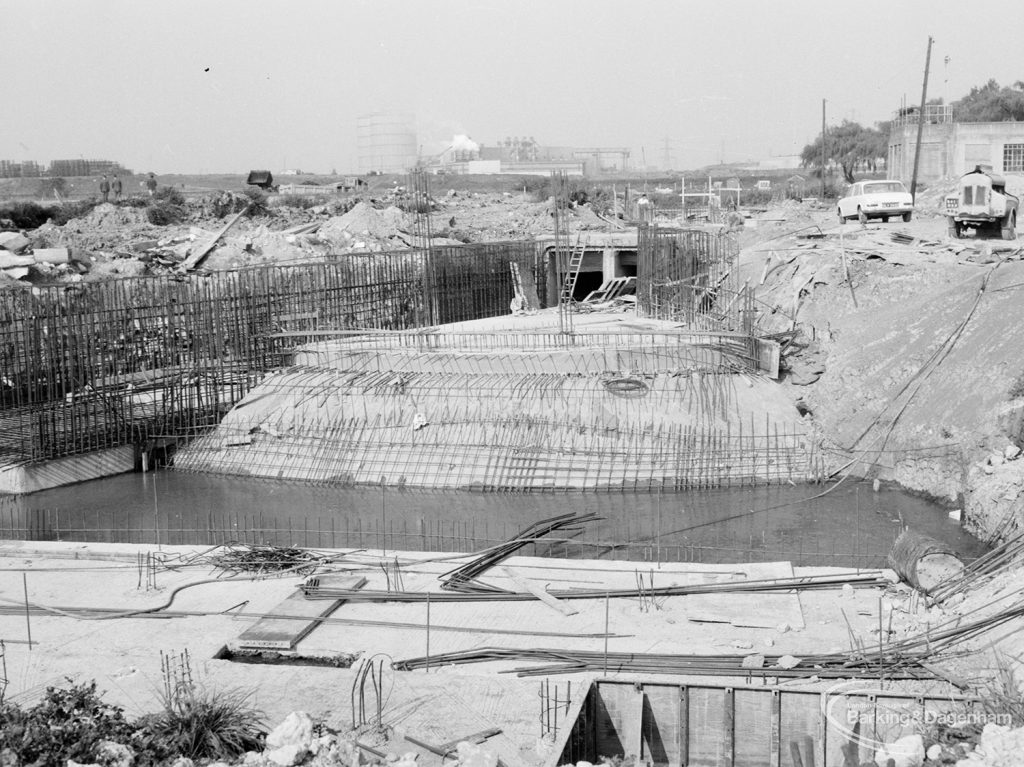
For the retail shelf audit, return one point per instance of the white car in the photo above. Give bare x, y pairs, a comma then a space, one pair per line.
876, 199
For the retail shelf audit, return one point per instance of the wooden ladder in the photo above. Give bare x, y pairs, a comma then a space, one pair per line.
572, 272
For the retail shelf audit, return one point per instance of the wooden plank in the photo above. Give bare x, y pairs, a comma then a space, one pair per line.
539, 592
196, 258
683, 733
270, 633
729, 727
775, 756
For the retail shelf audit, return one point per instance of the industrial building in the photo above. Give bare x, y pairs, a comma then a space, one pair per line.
951, 148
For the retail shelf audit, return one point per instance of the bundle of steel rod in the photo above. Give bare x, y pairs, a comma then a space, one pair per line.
868, 578
246, 558
990, 563
463, 579
824, 666
946, 636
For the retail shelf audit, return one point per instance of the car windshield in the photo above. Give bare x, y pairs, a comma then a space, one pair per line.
883, 187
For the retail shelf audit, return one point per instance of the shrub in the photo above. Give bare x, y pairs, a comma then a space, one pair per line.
169, 194
303, 201
70, 210
258, 205
197, 723
205, 725
538, 186
164, 214
66, 724
166, 207
26, 215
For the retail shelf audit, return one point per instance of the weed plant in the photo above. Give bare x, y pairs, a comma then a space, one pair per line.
166, 207
66, 724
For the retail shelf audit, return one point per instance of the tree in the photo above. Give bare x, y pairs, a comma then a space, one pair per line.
991, 103
851, 146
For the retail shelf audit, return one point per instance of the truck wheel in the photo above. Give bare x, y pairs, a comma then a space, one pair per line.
956, 229
906, 216
885, 219
1009, 230
862, 216
842, 218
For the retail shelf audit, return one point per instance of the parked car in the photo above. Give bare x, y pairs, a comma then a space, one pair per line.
876, 199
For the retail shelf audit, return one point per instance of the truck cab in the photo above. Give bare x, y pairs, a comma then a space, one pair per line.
982, 203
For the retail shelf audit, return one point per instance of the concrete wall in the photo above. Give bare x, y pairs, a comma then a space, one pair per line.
33, 477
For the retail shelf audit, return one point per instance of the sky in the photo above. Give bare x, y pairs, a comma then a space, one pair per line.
223, 86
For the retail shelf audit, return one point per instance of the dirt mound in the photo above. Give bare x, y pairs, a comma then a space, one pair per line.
109, 217
364, 220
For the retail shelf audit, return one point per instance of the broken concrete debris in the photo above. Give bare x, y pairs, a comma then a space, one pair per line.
18, 257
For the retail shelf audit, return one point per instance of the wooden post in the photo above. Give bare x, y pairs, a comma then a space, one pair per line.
920, 123
28, 619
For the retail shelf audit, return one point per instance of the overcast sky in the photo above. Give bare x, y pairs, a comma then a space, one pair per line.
192, 86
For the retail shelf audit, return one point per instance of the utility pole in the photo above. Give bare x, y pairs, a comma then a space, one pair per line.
823, 150
920, 122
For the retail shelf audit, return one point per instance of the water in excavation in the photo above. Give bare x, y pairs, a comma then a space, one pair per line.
850, 525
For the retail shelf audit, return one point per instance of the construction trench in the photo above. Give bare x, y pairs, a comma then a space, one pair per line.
404, 379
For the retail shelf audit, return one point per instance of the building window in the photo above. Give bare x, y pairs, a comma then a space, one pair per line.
1013, 158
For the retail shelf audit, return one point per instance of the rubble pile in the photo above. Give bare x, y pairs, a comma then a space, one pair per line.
20, 259
367, 229
114, 240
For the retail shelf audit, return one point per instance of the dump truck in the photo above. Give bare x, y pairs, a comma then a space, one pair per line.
264, 179
982, 203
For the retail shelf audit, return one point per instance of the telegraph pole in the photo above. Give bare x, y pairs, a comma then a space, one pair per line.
823, 150
920, 122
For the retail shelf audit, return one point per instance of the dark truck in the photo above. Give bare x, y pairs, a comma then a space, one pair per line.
982, 203
264, 179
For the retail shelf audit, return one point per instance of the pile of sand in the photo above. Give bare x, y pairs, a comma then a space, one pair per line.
365, 221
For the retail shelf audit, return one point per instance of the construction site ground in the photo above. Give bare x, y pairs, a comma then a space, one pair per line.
206, 610
907, 355
901, 350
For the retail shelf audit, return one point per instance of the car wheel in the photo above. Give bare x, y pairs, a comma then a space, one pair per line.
906, 216
1009, 230
862, 216
842, 218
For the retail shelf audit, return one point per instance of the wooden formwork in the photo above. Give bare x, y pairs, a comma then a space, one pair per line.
743, 725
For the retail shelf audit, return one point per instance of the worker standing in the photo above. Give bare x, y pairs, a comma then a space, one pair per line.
151, 184
104, 188
115, 187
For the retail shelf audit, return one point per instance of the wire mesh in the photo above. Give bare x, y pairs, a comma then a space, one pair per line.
106, 364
